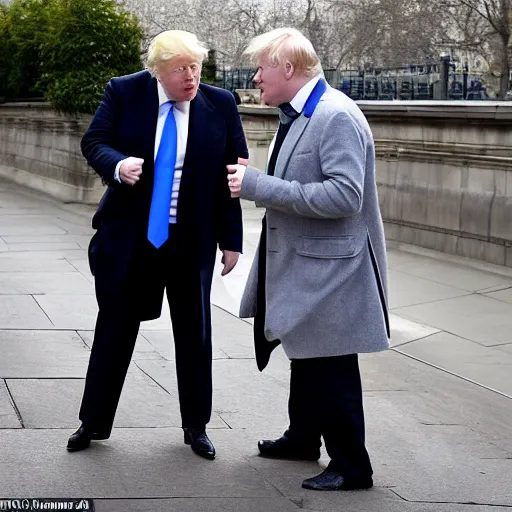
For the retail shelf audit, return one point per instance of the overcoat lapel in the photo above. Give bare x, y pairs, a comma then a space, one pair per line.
297, 128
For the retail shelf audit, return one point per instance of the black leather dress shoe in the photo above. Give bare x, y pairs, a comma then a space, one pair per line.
330, 481
283, 448
199, 442
79, 440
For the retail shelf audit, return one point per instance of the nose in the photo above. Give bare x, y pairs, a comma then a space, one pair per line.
256, 79
189, 74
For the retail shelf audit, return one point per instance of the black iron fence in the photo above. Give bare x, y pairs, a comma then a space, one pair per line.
414, 83
417, 82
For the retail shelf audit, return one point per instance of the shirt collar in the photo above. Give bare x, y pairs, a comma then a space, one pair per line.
302, 96
182, 106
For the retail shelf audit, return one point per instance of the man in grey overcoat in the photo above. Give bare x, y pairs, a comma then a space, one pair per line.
318, 284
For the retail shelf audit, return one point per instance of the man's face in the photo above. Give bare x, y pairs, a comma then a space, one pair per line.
180, 77
272, 82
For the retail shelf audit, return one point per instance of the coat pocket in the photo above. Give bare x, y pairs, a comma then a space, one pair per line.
330, 247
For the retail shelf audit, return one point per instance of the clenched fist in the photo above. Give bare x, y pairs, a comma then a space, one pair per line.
235, 178
130, 170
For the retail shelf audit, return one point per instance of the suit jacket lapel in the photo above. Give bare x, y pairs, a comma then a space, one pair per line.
150, 109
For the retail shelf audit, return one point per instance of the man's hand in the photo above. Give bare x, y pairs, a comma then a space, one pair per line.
235, 177
130, 170
230, 259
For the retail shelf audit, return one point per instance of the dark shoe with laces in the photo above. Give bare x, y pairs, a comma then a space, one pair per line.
331, 481
283, 448
199, 442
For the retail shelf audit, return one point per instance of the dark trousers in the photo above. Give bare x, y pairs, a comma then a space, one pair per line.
326, 401
188, 287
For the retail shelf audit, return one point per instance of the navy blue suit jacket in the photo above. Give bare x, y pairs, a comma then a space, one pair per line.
125, 125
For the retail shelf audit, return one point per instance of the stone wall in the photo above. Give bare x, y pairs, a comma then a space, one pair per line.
444, 172
444, 169
40, 149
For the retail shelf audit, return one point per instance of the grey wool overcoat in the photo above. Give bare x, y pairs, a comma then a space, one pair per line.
326, 278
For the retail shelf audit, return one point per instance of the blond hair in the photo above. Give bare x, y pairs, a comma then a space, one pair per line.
286, 44
172, 43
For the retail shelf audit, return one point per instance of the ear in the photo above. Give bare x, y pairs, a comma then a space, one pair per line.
289, 70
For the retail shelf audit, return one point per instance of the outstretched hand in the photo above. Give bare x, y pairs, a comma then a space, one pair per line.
236, 175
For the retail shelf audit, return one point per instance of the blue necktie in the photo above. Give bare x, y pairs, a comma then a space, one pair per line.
158, 228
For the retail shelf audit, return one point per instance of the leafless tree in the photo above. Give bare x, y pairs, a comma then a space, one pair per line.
496, 35
345, 33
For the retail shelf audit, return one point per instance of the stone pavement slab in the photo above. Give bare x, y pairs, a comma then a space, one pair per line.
8, 417
404, 331
36, 238
280, 504
42, 353
504, 295
162, 342
22, 312
505, 348
134, 463
481, 319
39, 283
30, 262
240, 400
453, 274
40, 246
434, 397
143, 348
231, 335
439, 438
353, 502
69, 311
30, 229
488, 366
54, 403
414, 290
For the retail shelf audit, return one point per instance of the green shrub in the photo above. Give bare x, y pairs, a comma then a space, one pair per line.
25, 27
5, 51
89, 42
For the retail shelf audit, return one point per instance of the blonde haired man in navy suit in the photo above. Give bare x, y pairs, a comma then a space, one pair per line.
161, 141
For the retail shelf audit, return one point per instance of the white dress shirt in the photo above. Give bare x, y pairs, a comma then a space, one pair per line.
298, 102
181, 113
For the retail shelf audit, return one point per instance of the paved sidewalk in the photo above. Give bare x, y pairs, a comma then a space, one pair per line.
439, 404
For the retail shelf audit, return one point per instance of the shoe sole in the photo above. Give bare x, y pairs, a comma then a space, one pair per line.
343, 488
99, 437
204, 455
280, 457
77, 449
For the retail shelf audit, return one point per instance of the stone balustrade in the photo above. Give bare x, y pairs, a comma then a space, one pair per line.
444, 169
40, 149
444, 172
